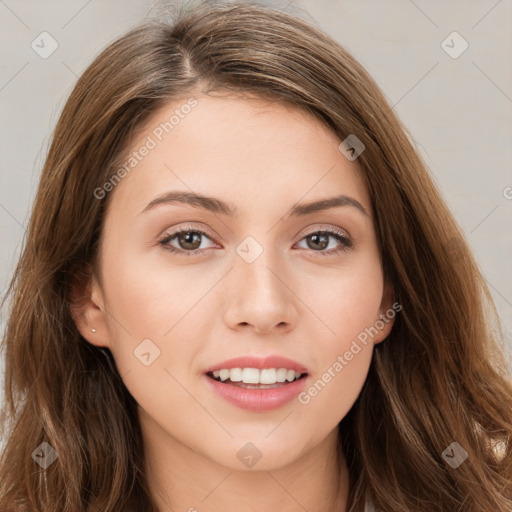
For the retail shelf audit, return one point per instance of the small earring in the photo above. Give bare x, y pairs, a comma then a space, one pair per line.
93, 330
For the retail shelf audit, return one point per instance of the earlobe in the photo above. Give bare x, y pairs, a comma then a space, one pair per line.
387, 315
86, 307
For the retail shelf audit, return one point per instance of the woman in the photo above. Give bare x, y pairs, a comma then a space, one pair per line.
240, 290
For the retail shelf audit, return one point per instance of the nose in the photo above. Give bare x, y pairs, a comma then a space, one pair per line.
260, 297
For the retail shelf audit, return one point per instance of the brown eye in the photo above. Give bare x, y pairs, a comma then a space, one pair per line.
319, 241
190, 240
187, 241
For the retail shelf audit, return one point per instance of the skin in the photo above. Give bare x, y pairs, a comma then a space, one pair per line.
261, 158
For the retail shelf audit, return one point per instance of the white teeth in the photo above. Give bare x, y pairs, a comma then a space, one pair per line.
281, 374
268, 376
236, 374
251, 376
256, 376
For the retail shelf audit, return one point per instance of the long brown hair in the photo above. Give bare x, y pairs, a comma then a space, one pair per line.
439, 378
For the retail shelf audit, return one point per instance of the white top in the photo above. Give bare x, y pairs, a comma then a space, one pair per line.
368, 506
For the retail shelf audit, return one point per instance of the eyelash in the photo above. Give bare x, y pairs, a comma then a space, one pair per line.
339, 235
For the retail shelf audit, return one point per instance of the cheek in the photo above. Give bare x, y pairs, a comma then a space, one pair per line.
149, 303
346, 301
152, 294
152, 340
330, 394
348, 308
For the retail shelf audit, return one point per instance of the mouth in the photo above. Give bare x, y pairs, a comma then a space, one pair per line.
254, 378
257, 384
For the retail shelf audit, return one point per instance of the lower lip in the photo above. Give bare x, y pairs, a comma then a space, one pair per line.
258, 400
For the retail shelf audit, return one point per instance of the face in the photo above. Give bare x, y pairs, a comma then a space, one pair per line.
184, 287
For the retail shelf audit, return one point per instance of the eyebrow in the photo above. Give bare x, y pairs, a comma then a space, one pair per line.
215, 205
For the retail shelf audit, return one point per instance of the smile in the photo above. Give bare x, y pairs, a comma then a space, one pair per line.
255, 376
257, 384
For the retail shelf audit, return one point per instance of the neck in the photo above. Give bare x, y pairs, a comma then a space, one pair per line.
181, 479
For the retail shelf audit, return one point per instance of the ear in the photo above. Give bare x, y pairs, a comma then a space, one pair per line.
387, 312
87, 309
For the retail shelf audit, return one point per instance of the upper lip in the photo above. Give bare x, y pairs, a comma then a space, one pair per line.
272, 361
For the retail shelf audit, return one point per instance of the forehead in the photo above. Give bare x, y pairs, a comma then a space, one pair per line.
244, 150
